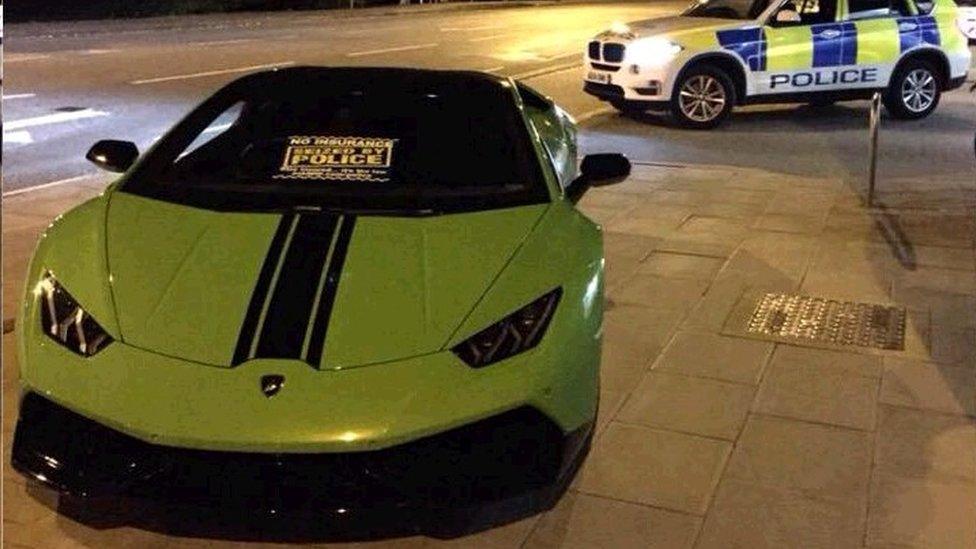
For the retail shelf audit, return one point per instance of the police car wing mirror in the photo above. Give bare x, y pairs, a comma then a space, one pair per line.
598, 170
112, 155
788, 16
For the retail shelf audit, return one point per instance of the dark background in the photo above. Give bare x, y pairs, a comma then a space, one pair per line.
50, 10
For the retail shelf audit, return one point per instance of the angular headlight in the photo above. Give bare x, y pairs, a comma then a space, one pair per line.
64, 321
517, 332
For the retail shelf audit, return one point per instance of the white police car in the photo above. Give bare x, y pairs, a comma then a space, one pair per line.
721, 53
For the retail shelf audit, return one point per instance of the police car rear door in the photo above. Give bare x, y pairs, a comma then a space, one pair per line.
877, 24
797, 51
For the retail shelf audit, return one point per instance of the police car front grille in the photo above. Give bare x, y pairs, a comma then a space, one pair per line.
593, 50
614, 53
605, 67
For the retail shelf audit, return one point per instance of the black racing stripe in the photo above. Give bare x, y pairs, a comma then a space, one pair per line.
317, 342
285, 323
260, 292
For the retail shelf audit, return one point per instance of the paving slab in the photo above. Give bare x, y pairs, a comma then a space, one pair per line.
648, 466
819, 460
822, 387
715, 356
750, 515
921, 513
686, 404
585, 521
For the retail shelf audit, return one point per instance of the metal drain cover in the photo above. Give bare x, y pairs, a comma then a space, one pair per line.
829, 321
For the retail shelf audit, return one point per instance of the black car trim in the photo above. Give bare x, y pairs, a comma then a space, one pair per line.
259, 295
316, 346
434, 484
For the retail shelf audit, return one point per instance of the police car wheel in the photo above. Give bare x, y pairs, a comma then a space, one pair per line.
913, 92
703, 98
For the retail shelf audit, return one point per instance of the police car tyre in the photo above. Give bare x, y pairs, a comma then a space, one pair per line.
703, 97
914, 90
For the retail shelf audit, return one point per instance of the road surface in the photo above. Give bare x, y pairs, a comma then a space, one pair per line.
70, 84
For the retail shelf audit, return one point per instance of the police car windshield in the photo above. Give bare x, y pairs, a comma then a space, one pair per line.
727, 9
386, 142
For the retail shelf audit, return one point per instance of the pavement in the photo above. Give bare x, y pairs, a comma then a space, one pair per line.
710, 434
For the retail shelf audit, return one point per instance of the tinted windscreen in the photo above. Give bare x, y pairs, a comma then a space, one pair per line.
397, 144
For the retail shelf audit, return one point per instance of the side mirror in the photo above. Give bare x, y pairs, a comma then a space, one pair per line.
112, 155
598, 170
788, 16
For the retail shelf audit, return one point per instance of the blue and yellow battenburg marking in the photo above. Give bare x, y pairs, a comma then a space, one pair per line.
748, 44
846, 43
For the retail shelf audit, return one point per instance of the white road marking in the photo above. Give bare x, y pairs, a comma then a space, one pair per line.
492, 69
49, 185
15, 57
548, 70
100, 51
210, 73
590, 114
54, 118
19, 96
388, 50
22, 137
489, 37
479, 27
223, 42
564, 55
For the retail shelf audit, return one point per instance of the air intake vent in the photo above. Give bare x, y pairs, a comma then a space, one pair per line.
613, 53
593, 50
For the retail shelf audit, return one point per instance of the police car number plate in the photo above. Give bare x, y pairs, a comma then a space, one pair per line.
597, 76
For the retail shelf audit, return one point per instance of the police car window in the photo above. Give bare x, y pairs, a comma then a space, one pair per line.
727, 9
365, 148
870, 9
812, 12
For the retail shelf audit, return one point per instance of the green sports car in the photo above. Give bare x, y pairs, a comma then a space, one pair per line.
341, 291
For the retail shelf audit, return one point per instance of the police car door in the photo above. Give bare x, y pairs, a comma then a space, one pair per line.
805, 47
881, 27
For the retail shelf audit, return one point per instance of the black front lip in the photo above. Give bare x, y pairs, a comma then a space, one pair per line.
496, 470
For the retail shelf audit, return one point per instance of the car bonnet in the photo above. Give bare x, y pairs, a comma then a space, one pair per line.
334, 291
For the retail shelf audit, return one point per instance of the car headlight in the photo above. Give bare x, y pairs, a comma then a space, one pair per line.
516, 333
64, 321
652, 51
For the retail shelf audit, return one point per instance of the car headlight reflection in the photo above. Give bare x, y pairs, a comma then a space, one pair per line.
64, 321
514, 334
652, 51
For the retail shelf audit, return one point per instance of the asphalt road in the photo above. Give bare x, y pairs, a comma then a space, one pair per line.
67, 85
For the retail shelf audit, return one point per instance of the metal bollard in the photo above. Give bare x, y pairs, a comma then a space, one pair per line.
873, 124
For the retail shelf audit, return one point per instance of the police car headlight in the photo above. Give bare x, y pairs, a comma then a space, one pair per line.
652, 51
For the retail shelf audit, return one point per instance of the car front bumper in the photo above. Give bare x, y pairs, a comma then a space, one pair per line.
494, 470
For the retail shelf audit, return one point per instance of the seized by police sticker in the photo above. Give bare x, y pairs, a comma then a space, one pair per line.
337, 158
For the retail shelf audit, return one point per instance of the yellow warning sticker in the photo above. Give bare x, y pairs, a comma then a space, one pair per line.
337, 158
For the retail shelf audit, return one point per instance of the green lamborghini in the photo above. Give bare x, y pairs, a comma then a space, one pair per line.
338, 291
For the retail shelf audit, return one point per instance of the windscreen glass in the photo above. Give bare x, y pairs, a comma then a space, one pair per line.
418, 146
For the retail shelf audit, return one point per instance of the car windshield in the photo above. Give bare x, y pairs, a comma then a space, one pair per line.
727, 9
383, 141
